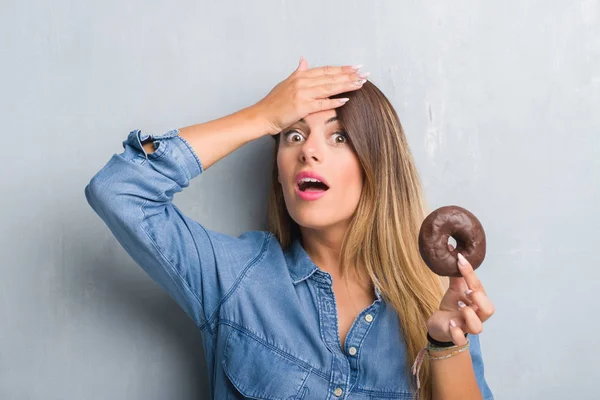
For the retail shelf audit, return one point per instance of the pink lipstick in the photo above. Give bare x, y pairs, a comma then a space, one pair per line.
310, 186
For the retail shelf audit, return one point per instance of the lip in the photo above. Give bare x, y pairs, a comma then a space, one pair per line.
309, 174
309, 196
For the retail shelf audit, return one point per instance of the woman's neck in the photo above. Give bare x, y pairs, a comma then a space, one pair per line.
323, 246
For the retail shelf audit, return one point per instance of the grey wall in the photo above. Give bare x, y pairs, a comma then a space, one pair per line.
500, 102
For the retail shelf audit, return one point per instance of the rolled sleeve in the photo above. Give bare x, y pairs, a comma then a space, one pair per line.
133, 195
182, 151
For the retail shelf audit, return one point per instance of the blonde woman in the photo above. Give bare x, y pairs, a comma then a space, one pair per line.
334, 301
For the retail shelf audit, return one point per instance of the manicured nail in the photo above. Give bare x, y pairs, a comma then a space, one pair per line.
343, 100
357, 67
468, 292
364, 74
461, 305
452, 324
360, 82
462, 261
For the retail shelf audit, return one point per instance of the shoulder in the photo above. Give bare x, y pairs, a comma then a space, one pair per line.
247, 245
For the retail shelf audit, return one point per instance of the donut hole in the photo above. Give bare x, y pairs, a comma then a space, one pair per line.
452, 241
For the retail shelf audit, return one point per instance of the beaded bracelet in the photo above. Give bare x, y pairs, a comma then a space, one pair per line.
431, 348
421, 356
455, 352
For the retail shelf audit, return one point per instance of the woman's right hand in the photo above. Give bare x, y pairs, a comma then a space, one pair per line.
306, 91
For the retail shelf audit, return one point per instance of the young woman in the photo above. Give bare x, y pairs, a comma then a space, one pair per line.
334, 301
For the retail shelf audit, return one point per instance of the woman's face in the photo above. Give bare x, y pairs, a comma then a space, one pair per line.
318, 145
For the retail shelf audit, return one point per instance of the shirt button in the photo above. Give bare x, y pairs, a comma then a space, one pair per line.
352, 350
369, 317
338, 392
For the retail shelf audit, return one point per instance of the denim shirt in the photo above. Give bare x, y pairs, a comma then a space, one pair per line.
267, 317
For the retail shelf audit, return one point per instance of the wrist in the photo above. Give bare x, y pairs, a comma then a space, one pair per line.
256, 116
440, 343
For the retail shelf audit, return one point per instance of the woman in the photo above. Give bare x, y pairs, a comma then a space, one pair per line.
334, 300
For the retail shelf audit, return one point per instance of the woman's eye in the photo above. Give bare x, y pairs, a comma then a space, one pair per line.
293, 136
340, 137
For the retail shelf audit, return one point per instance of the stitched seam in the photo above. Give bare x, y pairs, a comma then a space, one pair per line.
256, 259
346, 363
322, 287
387, 395
253, 393
159, 152
275, 349
301, 363
172, 270
192, 151
360, 347
306, 277
303, 388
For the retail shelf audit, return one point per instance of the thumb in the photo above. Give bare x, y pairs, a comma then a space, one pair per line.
303, 65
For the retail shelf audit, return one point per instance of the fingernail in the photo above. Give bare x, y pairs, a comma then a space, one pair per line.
462, 261
364, 74
452, 324
461, 304
357, 67
343, 100
468, 292
300, 62
360, 82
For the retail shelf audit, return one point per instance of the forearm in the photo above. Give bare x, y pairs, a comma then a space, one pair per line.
454, 377
215, 139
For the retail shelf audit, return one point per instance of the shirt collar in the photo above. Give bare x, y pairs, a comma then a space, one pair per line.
301, 266
299, 263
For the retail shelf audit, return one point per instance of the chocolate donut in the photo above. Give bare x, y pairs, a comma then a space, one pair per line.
435, 231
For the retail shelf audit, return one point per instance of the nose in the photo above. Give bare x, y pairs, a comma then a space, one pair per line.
311, 150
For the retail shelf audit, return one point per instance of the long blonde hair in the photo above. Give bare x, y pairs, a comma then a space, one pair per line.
388, 217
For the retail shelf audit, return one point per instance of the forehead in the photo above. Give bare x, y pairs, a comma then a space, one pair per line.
320, 118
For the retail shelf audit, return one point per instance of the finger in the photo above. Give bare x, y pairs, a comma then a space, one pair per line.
324, 81
329, 70
303, 65
457, 283
481, 304
468, 273
458, 335
335, 78
326, 104
467, 300
473, 324
330, 89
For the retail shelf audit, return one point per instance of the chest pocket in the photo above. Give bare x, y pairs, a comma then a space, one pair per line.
259, 371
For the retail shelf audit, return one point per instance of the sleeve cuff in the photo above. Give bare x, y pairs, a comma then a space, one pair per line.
184, 150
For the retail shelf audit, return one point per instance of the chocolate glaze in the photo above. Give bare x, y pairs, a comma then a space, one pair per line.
435, 231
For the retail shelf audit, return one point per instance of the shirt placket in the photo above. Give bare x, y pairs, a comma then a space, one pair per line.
344, 369
340, 368
356, 335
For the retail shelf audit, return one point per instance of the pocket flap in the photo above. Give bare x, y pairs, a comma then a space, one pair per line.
260, 371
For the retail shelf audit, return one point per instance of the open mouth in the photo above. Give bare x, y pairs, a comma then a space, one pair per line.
311, 185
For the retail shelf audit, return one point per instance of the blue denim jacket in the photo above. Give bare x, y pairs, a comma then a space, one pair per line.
267, 317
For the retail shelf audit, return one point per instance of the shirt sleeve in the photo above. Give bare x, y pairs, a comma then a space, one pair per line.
476, 356
133, 195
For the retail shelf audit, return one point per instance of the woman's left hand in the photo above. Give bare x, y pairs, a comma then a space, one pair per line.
464, 307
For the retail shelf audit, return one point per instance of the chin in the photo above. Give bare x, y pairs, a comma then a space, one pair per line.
316, 219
